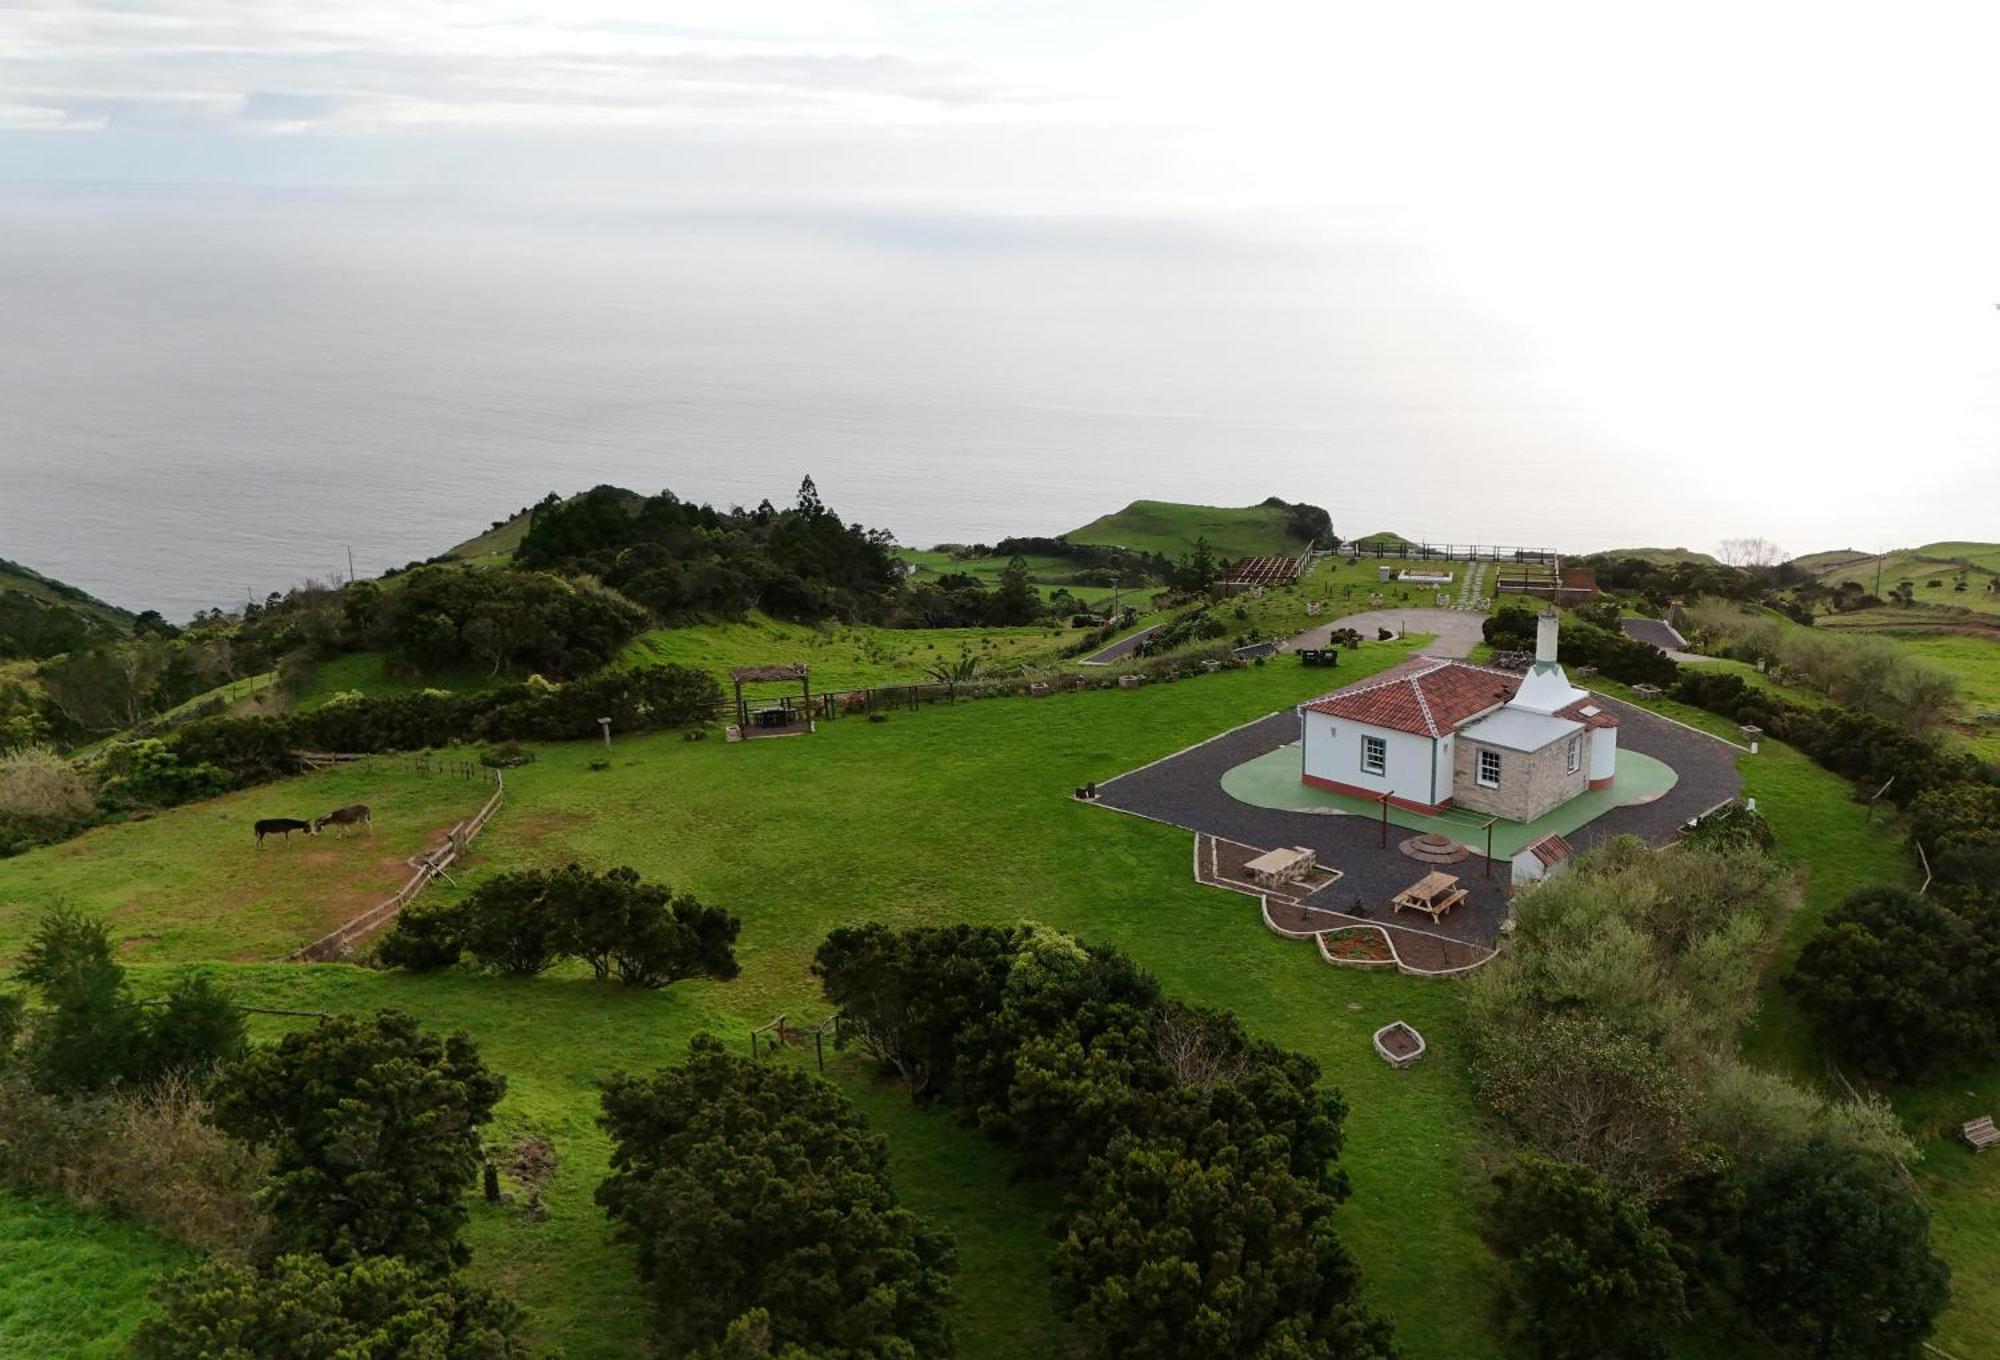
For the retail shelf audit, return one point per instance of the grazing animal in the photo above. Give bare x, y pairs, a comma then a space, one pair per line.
353, 815
283, 826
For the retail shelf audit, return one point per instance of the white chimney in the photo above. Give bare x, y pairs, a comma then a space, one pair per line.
1545, 637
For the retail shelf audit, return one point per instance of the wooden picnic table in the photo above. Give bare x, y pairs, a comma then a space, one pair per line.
1435, 893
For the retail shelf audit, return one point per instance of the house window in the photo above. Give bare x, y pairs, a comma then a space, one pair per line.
1489, 769
1374, 755
1575, 754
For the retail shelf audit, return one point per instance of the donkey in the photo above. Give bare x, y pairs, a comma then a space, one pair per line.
283, 826
355, 814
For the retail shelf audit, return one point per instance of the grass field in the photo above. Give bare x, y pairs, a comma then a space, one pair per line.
1974, 661
73, 1284
954, 813
368, 673
1047, 573
1979, 563
1171, 528
841, 657
27, 581
1665, 557
193, 884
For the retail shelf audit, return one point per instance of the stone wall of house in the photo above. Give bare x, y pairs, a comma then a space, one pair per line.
1530, 782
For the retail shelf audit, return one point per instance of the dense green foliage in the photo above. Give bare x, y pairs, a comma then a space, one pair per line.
643, 934
680, 560
443, 617
91, 1035
1904, 986
373, 1127
1590, 1276
257, 749
1586, 641
373, 1308
1199, 1160
752, 1188
1836, 1254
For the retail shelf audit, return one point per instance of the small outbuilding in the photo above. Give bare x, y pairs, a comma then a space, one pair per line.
1538, 861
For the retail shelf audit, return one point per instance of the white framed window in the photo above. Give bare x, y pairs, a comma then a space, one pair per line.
1489, 769
1374, 755
1576, 753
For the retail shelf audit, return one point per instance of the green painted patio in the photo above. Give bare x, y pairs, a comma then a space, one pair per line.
1272, 781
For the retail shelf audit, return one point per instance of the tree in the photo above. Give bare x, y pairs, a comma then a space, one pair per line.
1837, 1258
373, 1127
425, 938
511, 926
646, 934
750, 1188
91, 1032
1747, 553
196, 1027
307, 1309
906, 995
1014, 601
1209, 1255
1901, 985
1589, 1274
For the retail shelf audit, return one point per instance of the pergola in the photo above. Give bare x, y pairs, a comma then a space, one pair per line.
750, 675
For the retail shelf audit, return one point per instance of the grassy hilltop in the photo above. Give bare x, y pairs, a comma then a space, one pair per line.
1171, 528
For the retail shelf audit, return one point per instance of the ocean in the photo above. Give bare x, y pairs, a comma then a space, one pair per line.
209, 394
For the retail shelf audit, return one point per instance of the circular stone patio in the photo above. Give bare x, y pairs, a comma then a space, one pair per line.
1271, 780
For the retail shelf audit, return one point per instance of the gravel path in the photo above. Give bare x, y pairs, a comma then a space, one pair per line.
1455, 632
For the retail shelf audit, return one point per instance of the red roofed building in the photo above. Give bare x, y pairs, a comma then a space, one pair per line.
1433, 733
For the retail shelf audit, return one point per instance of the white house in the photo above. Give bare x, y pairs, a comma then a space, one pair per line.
1434, 733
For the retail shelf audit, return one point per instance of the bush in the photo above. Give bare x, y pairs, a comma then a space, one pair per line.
752, 1189
1902, 986
307, 1309
373, 1128
1837, 1259
425, 938
511, 926
42, 789
1589, 1275
455, 615
151, 1154
150, 773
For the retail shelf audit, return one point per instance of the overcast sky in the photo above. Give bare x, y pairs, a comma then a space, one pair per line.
1759, 238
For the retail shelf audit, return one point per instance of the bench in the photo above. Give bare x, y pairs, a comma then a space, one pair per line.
1436, 909
1981, 1134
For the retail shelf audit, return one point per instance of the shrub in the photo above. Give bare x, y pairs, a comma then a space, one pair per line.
1589, 1275
511, 926
750, 1188
148, 1153
425, 938
307, 1309
646, 934
42, 789
1837, 1259
150, 773
1903, 986
373, 1128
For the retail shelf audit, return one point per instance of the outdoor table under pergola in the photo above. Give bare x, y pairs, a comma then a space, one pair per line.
782, 715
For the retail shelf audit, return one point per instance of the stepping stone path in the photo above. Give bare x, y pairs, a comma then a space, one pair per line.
1472, 588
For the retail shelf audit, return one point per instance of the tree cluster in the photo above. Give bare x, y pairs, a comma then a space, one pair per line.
1864, 673
1586, 641
760, 1203
1905, 987
441, 618
522, 922
1199, 1161
1656, 1168
682, 560
371, 1127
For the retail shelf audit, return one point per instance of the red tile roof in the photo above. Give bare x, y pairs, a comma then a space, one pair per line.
1603, 717
1424, 696
1551, 850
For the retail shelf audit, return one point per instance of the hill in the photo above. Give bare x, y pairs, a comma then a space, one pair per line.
1171, 528
1934, 572
41, 616
1664, 557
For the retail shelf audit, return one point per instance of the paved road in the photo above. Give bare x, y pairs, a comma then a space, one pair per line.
1456, 633
1120, 649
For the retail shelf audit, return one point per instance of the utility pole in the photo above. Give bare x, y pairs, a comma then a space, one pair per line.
350, 564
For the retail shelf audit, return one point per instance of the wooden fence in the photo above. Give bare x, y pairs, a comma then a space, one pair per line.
429, 865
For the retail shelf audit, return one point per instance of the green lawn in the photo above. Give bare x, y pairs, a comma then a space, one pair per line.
1974, 661
193, 883
840, 657
73, 1284
953, 813
1940, 562
369, 673
1047, 574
